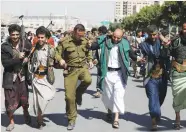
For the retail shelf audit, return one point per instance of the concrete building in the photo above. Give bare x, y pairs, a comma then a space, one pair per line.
31, 23
58, 22
125, 8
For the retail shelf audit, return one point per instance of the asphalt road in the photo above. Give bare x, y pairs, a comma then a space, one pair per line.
91, 115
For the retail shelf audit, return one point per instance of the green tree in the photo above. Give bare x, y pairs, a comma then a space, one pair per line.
114, 26
171, 12
174, 12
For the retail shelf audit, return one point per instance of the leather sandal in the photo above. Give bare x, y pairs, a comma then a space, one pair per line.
115, 124
154, 124
39, 125
10, 127
177, 126
154, 128
97, 95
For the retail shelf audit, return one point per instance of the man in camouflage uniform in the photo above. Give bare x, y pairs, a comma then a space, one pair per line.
75, 56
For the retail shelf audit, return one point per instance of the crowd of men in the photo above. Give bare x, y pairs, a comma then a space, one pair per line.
151, 54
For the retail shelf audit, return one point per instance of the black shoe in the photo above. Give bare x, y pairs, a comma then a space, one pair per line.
79, 99
70, 126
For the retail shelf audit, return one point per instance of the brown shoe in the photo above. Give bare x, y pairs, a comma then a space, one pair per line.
154, 125
177, 126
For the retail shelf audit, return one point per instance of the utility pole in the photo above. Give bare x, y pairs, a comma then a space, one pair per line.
66, 26
50, 20
169, 10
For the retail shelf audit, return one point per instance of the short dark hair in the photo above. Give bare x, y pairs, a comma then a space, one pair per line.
93, 30
13, 28
59, 31
151, 28
164, 32
66, 33
43, 30
102, 30
139, 30
79, 27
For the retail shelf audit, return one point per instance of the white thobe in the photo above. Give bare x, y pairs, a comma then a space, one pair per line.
43, 91
114, 88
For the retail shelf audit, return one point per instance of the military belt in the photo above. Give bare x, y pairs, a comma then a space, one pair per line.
75, 66
41, 72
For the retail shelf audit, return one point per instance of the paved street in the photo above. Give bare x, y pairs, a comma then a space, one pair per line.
91, 115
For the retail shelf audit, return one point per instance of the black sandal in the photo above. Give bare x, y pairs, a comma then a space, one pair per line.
115, 124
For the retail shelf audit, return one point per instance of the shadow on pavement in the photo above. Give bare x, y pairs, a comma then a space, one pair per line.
140, 86
90, 92
19, 120
60, 89
137, 80
145, 122
57, 118
91, 114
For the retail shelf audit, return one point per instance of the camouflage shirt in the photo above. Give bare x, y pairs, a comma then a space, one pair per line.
74, 54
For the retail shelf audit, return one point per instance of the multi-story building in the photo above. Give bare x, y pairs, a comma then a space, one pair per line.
31, 23
125, 8
56, 22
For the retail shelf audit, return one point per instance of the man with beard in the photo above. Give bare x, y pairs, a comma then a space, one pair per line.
114, 64
155, 80
72, 54
178, 52
14, 76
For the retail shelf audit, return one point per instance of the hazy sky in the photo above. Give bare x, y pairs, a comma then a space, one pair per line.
92, 11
